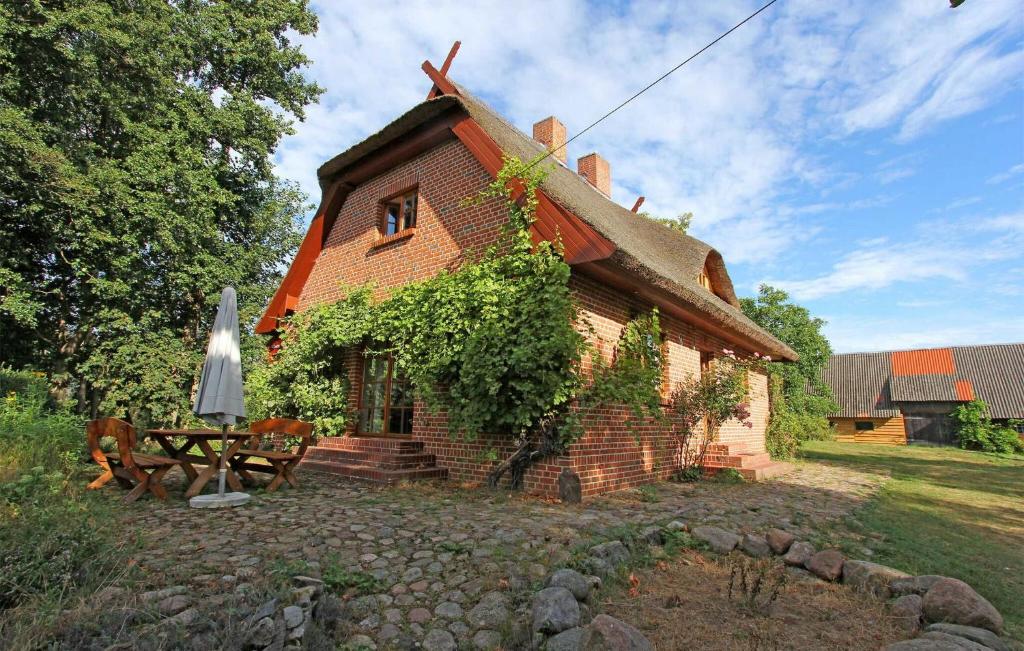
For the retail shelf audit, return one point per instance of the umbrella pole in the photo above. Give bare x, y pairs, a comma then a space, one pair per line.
223, 459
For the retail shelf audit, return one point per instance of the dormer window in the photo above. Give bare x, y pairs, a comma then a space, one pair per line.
399, 214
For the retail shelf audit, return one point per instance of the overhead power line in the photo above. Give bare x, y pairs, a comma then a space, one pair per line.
663, 77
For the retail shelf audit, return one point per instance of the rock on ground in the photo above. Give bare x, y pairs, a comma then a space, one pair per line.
799, 553
555, 610
955, 602
439, 640
923, 644
719, 540
609, 634
980, 635
614, 552
779, 540
908, 611
962, 642
487, 640
490, 612
871, 578
827, 564
572, 581
565, 641
914, 584
755, 546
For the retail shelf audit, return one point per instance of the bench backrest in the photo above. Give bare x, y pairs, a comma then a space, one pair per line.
120, 431
286, 427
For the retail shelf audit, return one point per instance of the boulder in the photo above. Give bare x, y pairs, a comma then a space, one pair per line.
720, 540
174, 604
677, 525
913, 584
572, 581
799, 553
565, 641
955, 602
871, 578
609, 634
962, 642
487, 640
555, 610
827, 564
262, 633
653, 535
490, 612
779, 540
439, 640
980, 635
755, 546
570, 490
597, 566
921, 644
908, 611
614, 552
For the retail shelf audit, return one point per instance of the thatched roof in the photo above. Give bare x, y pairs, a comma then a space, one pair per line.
663, 257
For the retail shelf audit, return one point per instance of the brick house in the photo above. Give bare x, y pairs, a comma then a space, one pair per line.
393, 212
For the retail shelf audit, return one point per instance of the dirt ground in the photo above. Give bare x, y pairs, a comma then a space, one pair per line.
684, 603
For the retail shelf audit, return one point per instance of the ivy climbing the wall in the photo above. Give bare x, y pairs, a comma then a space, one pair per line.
497, 344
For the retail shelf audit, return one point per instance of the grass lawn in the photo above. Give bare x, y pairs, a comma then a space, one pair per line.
945, 511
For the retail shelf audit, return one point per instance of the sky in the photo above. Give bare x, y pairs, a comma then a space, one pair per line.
867, 157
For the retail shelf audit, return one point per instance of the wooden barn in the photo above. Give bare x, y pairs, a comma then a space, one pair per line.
907, 396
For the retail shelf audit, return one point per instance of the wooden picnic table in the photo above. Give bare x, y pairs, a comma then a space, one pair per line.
200, 438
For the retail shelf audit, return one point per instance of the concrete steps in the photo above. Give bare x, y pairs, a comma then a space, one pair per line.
382, 461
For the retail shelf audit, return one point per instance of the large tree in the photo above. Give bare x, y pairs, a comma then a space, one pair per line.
802, 386
136, 181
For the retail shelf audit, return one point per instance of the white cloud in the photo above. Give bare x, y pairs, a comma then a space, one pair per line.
1005, 176
724, 137
939, 250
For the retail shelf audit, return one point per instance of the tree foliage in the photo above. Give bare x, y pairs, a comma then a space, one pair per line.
800, 399
136, 182
976, 431
680, 224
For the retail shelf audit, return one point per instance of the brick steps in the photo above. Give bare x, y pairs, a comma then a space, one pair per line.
754, 466
377, 460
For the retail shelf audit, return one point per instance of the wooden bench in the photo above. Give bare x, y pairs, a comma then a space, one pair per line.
279, 462
135, 471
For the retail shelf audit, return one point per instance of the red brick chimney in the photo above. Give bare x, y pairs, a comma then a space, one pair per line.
597, 171
551, 133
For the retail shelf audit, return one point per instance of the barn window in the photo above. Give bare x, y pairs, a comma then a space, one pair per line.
385, 407
399, 214
863, 425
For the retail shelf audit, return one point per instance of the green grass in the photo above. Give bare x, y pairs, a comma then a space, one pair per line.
945, 511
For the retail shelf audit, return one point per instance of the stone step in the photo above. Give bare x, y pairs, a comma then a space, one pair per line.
371, 444
737, 460
373, 474
386, 460
763, 471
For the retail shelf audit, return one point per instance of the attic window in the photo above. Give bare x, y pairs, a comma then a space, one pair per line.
704, 279
398, 214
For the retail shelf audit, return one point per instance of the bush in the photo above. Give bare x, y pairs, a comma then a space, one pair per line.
788, 428
976, 431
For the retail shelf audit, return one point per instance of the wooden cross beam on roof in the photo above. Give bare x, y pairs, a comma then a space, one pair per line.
440, 77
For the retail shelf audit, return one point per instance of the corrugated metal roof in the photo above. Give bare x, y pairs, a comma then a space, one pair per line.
997, 375
860, 384
867, 384
934, 361
964, 390
922, 388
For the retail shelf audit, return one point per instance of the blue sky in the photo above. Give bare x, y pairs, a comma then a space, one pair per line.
867, 157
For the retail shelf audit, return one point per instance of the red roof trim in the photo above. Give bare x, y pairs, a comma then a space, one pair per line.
964, 390
937, 361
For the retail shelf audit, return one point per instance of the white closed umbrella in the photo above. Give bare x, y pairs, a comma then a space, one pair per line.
220, 399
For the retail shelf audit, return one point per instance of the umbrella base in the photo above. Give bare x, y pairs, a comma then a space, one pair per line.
216, 501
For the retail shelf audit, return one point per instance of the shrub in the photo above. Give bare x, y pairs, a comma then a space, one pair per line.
976, 431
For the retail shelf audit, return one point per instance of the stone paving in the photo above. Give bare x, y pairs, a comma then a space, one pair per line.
450, 562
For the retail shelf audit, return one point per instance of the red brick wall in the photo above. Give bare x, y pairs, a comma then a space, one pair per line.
446, 228
611, 455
